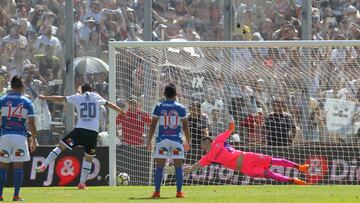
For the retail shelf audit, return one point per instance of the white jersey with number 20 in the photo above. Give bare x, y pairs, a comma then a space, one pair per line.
88, 107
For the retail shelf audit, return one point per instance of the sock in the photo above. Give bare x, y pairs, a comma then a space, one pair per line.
3, 176
179, 178
158, 177
18, 178
276, 176
283, 162
52, 156
85, 171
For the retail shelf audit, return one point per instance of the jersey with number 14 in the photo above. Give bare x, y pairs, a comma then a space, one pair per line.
87, 106
15, 109
170, 114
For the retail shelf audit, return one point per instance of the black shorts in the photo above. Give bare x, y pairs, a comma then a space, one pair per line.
84, 137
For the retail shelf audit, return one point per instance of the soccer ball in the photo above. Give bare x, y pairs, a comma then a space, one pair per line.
123, 179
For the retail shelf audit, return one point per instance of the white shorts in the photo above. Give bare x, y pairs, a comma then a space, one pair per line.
14, 148
168, 149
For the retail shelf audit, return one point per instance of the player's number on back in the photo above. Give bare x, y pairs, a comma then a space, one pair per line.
14, 112
171, 119
88, 110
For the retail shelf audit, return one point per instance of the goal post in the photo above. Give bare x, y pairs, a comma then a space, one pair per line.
316, 84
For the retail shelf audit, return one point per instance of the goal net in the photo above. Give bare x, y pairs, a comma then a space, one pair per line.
291, 99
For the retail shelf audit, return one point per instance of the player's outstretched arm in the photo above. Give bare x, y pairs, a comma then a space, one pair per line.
32, 129
192, 168
187, 133
153, 124
223, 136
115, 108
55, 99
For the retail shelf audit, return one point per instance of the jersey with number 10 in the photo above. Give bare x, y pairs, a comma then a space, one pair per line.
15, 109
87, 106
170, 114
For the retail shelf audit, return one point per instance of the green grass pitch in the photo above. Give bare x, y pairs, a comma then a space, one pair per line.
225, 193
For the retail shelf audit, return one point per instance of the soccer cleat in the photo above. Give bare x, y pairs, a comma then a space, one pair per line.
40, 169
155, 195
304, 168
17, 199
180, 195
297, 181
81, 186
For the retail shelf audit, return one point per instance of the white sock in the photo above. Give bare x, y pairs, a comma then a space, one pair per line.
52, 156
85, 171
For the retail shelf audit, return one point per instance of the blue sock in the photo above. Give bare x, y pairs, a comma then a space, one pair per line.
3, 175
158, 177
18, 178
179, 178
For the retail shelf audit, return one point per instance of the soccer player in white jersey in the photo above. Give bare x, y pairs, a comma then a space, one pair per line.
169, 144
15, 110
86, 131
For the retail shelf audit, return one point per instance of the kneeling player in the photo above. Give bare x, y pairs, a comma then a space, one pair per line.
250, 164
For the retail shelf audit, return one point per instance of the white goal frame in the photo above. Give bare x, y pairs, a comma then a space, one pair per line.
200, 44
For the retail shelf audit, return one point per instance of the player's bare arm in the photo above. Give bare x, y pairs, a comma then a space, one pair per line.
192, 168
153, 124
32, 129
187, 133
55, 99
115, 108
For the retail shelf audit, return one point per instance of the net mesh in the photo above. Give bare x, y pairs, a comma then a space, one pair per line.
291, 102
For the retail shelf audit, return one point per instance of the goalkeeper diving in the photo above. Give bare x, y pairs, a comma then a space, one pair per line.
251, 164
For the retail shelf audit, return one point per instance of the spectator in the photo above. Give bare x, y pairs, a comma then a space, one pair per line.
48, 40
48, 63
262, 97
94, 12
42, 116
254, 125
189, 33
16, 65
47, 21
133, 33
25, 27
211, 102
266, 29
86, 29
133, 123
6, 53
94, 46
14, 38
199, 127
279, 126
3, 79
216, 126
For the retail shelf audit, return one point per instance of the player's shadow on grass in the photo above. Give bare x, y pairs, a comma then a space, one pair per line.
149, 198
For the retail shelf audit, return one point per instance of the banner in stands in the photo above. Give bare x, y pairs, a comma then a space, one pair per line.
339, 113
329, 165
66, 169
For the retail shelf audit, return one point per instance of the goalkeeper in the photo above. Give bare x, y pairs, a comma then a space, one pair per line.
250, 164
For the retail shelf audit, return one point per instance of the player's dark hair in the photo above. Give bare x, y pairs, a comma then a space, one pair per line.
209, 139
170, 91
195, 104
86, 87
16, 82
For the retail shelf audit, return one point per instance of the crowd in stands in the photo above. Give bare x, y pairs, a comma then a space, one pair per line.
32, 45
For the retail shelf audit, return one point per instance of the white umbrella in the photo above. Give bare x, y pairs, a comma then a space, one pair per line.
89, 64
